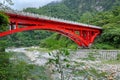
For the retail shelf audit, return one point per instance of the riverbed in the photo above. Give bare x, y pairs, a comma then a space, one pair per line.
39, 57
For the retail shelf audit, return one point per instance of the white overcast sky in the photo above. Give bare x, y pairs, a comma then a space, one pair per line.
20, 4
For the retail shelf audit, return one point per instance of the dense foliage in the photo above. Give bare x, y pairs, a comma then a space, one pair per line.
4, 58
3, 22
28, 38
110, 37
56, 41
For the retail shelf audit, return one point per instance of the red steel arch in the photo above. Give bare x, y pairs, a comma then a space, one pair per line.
81, 34
64, 32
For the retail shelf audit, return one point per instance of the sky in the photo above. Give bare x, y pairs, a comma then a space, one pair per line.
20, 4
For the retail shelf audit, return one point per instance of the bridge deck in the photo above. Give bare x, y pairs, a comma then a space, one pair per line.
48, 18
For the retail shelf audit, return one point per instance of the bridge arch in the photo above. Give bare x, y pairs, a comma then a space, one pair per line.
71, 35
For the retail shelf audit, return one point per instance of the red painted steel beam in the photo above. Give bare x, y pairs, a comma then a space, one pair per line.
84, 37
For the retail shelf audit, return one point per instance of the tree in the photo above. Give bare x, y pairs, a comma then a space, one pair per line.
4, 21
4, 2
3, 26
59, 62
4, 57
86, 17
110, 36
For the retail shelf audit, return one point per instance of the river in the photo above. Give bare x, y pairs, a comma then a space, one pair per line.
40, 58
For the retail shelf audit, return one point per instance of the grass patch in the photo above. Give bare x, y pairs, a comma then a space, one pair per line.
110, 62
38, 49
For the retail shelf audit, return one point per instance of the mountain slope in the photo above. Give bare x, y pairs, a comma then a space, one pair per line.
74, 9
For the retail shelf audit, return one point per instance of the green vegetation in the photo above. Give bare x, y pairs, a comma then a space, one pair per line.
73, 10
60, 61
24, 71
118, 57
111, 62
58, 10
4, 66
29, 38
3, 22
91, 74
4, 57
90, 57
110, 37
57, 41
39, 49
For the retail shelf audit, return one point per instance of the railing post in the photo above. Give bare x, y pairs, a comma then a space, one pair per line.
16, 25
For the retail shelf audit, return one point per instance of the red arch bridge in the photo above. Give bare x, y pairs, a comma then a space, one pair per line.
82, 34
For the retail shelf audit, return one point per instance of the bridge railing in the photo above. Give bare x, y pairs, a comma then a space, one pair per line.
47, 18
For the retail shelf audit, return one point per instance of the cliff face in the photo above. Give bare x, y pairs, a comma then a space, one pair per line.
91, 5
